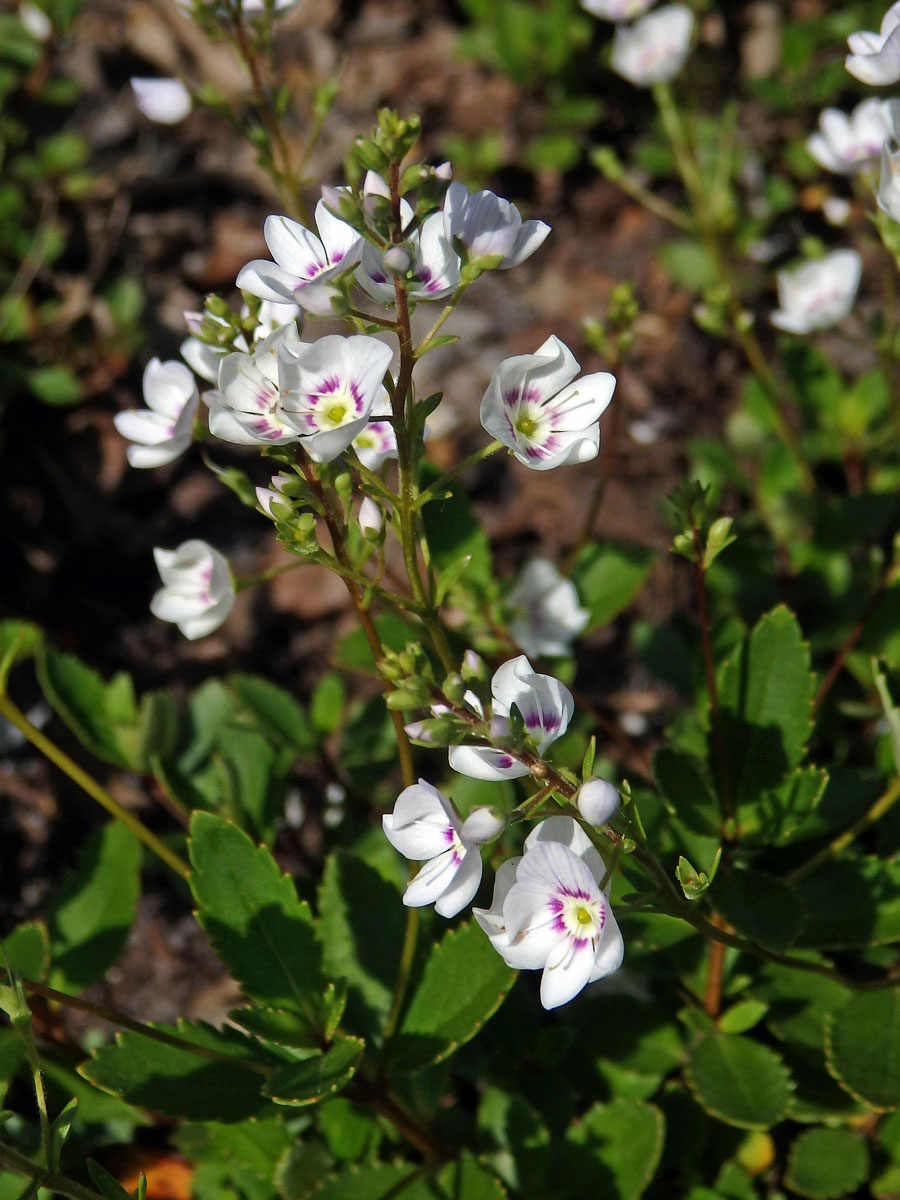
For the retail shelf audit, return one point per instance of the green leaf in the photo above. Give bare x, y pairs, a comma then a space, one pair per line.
765, 696
18, 640
375, 1183
743, 1016
105, 1183
275, 711
688, 264
626, 1137
318, 1077
179, 1082
349, 1131
687, 793
825, 1164
862, 1045
26, 950
454, 532
761, 907
245, 1150
781, 810
463, 984
851, 903
91, 708
362, 927
250, 910
253, 776
55, 385
93, 908
739, 1081
608, 576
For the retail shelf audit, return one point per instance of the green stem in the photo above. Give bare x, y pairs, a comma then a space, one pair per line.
401, 983
102, 1013
53, 1181
425, 344
478, 456
884, 802
653, 203
80, 777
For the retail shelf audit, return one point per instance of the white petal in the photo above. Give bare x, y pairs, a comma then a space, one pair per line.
566, 973
485, 763
461, 890
166, 101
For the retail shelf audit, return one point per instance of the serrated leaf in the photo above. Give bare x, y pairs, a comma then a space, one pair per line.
251, 912
463, 984
781, 810
454, 532
91, 708
608, 576
743, 1016
93, 908
687, 793
761, 907
26, 950
825, 1164
275, 711
318, 1077
862, 1044
626, 1137
739, 1081
765, 697
179, 1082
362, 925
851, 904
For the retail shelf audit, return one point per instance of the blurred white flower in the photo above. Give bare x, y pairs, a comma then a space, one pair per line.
818, 293
874, 58
535, 409
836, 210
549, 912
546, 615
198, 590
616, 10
166, 101
35, 21
162, 430
653, 49
484, 225
889, 181
844, 142
306, 266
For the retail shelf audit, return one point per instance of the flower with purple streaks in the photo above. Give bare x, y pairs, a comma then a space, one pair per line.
198, 590
653, 49
546, 615
843, 142
486, 228
535, 409
330, 389
819, 293
425, 827
306, 267
546, 707
247, 408
162, 430
549, 912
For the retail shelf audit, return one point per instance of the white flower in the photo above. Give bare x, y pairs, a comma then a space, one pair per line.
532, 406
377, 442
844, 142
163, 429
166, 101
653, 50
330, 389
484, 225
889, 182
198, 590
306, 266
205, 359
425, 827
274, 494
371, 518
35, 21
247, 408
546, 706
549, 913
616, 10
546, 614
874, 58
818, 293
598, 801
436, 266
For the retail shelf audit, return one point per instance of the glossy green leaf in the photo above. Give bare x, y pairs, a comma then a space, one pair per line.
251, 912
91, 708
318, 1077
463, 984
759, 906
739, 1081
224, 1085
625, 1137
851, 904
688, 794
93, 908
275, 712
608, 576
26, 950
863, 1047
742, 1016
765, 696
826, 1164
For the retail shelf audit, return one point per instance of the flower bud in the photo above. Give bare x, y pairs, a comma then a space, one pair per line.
483, 825
397, 261
598, 801
371, 519
444, 172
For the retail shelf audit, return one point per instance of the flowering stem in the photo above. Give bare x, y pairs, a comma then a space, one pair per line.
439, 484
80, 777
401, 982
425, 345
884, 802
